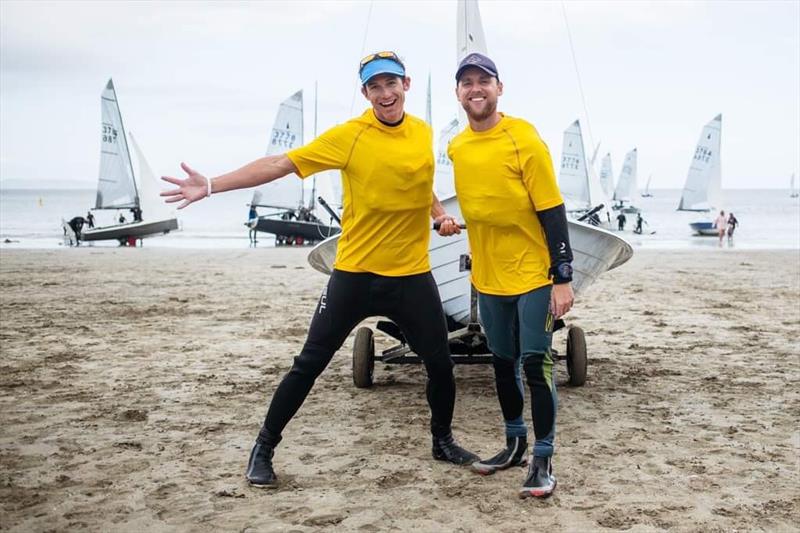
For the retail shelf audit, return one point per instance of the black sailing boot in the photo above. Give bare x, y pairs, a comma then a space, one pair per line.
514, 454
540, 482
447, 449
259, 468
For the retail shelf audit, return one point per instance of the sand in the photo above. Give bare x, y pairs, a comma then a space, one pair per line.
133, 382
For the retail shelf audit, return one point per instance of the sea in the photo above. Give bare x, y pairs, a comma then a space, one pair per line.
31, 218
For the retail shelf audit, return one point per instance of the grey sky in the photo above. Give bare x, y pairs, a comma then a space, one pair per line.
201, 82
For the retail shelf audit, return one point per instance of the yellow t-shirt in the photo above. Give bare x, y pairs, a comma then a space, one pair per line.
387, 178
502, 177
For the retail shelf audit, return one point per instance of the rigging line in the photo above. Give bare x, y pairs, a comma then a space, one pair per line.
578, 74
363, 46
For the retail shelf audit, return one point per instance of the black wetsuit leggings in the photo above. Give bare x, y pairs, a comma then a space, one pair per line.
411, 302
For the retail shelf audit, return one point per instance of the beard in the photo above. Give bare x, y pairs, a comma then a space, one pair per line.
488, 111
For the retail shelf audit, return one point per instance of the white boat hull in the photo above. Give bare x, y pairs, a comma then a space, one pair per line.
595, 251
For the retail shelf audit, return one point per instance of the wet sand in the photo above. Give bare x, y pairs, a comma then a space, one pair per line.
132, 384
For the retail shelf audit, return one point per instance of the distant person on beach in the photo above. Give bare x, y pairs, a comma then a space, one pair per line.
121, 218
382, 266
137, 214
639, 222
90, 219
621, 219
721, 224
732, 223
252, 222
521, 263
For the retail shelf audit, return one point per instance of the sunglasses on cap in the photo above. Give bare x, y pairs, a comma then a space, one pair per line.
379, 55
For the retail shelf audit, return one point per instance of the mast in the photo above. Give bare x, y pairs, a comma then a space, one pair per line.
428, 118
122, 124
314, 178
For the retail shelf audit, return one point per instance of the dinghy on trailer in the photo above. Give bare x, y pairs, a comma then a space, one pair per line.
702, 191
117, 186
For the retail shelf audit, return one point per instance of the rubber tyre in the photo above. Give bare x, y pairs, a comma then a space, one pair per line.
576, 356
363, 358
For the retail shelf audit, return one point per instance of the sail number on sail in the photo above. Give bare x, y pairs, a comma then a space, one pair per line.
283, 138
109, 134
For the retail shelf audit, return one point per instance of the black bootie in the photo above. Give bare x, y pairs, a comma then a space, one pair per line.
514, 454
540, 482
447, 449
259, 467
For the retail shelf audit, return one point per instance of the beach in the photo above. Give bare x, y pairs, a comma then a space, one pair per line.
133, 382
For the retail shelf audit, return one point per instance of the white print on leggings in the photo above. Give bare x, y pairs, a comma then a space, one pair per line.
323, 299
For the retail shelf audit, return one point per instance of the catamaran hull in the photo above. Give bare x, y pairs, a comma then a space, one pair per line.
595, 251
134, 230
309, 231
704, 229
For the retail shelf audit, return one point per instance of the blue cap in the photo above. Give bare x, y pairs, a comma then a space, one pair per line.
381, 66
480, 61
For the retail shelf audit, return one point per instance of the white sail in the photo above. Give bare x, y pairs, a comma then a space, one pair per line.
286, 134
469, 38
646, 192
702, 191
115, 187
573, 177
150, 202
793, 187
626, 184
428, 112
607, 175
443, 182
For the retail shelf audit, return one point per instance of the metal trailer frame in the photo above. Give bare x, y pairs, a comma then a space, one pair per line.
467, 344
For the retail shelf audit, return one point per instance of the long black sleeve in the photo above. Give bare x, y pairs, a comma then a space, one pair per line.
554, 223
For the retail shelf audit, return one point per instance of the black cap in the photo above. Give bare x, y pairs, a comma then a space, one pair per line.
477, 60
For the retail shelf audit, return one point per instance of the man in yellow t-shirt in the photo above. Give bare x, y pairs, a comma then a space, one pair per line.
381, 267
518, 236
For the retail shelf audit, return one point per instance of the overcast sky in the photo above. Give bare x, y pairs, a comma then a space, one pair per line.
201, 82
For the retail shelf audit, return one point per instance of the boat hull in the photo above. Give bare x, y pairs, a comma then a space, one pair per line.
595, 251
309, 231
704, 229
133, 230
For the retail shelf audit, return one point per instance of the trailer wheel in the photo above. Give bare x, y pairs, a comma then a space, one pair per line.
363, 358
576, 356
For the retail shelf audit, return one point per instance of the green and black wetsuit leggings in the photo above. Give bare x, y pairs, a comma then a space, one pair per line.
519, 330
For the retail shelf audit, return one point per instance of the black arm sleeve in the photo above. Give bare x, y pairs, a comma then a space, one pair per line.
554, 223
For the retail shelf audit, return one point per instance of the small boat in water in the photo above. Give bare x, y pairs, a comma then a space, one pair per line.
702, 192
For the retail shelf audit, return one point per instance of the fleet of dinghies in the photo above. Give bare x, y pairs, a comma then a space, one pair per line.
296, 216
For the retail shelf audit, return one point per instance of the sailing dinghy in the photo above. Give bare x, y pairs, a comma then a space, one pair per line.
582, 191
703, 189
117, 187
292, 222
626, 188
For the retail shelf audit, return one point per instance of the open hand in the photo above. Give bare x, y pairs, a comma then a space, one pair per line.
189, 190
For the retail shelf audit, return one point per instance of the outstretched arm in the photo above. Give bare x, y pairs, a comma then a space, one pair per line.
196, 186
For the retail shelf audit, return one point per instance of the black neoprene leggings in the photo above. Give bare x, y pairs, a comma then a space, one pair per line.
411, 302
